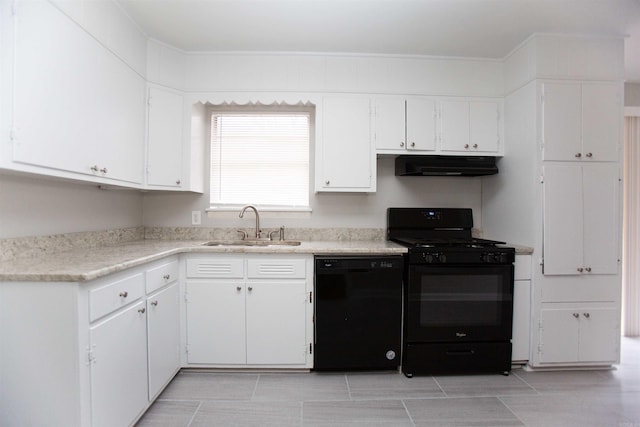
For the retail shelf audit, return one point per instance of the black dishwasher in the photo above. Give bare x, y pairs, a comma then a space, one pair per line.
358, 312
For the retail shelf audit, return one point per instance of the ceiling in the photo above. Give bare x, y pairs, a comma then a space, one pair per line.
466, 28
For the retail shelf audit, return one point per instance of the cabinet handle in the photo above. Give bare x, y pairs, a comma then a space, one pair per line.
576, 315
250, 288
578, 155
142, 310
589, 154
402, 144
413, 144
580, 269
466, 145
166, 276
588, 269
327, 182
178, 182
154, 303
475, 145
238, 288
587, 315
94, 168
124, 294
103, 170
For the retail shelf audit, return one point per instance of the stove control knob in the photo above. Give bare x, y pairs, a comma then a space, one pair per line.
428, 258
442, 258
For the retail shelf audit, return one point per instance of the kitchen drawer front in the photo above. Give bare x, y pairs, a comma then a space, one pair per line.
161, 276
115, 295
214, 267
285, 268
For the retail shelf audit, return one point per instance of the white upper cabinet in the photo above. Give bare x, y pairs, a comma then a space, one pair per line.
470, 127
164, 147
345, 158
580, 122
77, 107
405, 126
581, 206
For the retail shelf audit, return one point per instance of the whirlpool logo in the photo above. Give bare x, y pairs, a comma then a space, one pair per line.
461, 334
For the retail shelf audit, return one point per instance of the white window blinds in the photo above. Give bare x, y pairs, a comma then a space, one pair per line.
260, 158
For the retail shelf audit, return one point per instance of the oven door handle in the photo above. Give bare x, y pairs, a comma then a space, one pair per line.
460, 352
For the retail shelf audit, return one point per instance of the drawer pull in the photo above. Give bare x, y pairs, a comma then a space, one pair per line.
142, 310
167, 276
576, 315
250, 288
124, 294
154, 303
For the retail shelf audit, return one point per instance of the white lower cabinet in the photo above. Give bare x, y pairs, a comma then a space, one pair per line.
90, 353
521, 338
118, 379
261, 318
579, 333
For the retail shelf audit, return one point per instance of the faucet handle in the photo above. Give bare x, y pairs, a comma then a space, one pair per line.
271, 233
244, 234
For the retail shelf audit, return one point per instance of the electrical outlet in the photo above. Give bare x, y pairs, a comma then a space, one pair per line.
196, 218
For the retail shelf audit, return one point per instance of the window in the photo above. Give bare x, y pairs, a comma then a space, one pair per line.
260, 156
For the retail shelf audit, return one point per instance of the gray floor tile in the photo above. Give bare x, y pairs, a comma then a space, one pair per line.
168, 413
248, 414
210, 386
301, 386
570, 381
581, 410
369, 413
483, 385
461, 411
391, 385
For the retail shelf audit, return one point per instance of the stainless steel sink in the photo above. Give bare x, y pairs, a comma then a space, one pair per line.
250, 242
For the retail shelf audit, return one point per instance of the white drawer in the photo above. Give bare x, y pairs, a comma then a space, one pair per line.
216, 267
522, 270
162, 275
276, 268
111, 297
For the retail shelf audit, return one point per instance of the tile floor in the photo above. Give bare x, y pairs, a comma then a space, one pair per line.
568, 398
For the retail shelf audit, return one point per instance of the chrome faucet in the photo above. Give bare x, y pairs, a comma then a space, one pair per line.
257, 234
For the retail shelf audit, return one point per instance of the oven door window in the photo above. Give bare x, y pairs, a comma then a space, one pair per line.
460, 303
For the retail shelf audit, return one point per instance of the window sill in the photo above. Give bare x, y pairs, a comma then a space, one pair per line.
232, 211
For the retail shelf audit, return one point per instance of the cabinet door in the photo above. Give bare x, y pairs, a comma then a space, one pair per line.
521, 320
454, 125
599, 332
484, 126
276, 322
164, 156
601, 188
562, 219
390, 124
347, 158
601, 122
421, 124
559, 329
216, 322
561, 121
119, 368
163, 333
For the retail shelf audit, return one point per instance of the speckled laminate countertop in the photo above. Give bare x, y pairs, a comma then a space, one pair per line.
79, 265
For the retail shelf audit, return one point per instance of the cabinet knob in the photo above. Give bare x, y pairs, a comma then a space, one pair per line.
250, 288
475, 145
589, 154
576, 315
166, 276
178, 182
154, 303
142, 310
94, 168
413, 144
402, 144
587, 315
466, 145
578, 155
580, 269
103, 170
124, 294
588, 269
238, 288
327, 182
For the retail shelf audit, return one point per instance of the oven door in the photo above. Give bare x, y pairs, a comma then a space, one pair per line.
460, 303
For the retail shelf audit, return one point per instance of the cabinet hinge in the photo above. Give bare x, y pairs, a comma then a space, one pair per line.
310, 348
539, 348
310, 297
90, 355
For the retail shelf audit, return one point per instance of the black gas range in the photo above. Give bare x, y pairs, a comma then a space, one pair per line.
458, 293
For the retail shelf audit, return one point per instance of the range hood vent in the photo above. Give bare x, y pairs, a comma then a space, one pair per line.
446, 165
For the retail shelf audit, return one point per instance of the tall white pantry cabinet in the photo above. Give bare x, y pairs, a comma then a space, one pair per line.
560, 192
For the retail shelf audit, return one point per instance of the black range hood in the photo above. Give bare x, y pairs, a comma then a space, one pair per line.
446, 165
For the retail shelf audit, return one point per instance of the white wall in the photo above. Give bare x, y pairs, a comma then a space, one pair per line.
632, 95
332, 210
32, 206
